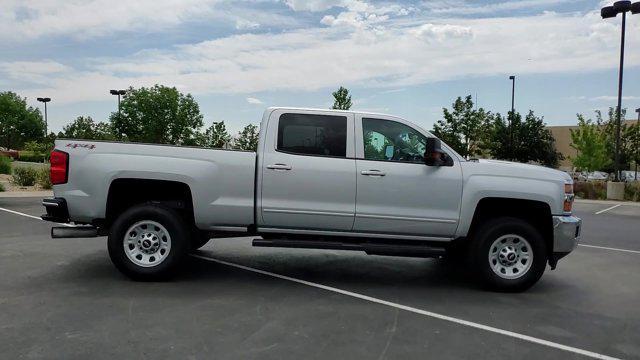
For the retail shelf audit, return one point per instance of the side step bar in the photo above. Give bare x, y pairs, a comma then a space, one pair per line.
58, 232
367, 247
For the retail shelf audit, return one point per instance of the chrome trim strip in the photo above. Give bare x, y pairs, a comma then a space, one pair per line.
446, 221
354, 234
229, 228
305, 212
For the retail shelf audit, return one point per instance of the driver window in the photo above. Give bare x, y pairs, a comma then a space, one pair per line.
388, 140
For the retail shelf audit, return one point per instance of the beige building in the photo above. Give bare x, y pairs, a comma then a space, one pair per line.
562, 135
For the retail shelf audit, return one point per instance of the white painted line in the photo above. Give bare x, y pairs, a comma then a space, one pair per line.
417, 311
610, 248
31, 216
607, 209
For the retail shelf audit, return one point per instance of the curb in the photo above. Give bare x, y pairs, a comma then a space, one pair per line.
26, 194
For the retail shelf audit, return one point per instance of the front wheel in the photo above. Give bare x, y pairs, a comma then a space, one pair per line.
508, 254
148, 242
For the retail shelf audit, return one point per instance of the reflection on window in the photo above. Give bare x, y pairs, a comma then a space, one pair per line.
308, 134
392, 141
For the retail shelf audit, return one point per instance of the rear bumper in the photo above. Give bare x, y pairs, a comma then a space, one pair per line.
57, 210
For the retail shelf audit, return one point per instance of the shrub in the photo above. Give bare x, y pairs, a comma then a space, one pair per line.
43, 179
1, 187
24, 176
5, 165
38, 147
632, 191
590, 189
28, 156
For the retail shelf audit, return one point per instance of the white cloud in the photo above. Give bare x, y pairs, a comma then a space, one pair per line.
429, 32
315, 5
85, 19
387, 54
610, 98
458, 8
242, 24
254, 101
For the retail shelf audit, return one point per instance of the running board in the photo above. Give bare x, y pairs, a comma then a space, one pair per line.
367, 247
59, 232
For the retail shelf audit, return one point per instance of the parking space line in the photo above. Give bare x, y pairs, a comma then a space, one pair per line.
30, 216
607, 209
610, 248
416, 310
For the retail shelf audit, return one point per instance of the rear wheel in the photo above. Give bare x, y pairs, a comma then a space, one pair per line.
508, 254
148, 242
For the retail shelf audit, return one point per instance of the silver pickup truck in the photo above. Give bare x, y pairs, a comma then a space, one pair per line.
320, 179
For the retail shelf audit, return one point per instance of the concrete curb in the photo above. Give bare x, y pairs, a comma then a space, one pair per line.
26, 194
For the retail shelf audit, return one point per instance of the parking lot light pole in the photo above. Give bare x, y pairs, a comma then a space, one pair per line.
118, 93
45, 101
619, 7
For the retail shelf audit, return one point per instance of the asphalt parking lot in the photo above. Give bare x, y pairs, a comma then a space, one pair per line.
62, 299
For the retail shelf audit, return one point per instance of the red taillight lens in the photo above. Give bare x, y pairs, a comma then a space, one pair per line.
59, 172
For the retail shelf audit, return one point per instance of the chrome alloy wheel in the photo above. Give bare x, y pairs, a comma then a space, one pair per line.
147, 243
510, 256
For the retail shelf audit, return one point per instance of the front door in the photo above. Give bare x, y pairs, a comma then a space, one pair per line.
308, 171
396, 192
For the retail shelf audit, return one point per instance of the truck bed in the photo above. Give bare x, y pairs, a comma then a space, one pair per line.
221, 181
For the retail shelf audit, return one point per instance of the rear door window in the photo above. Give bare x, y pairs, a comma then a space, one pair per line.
310, 134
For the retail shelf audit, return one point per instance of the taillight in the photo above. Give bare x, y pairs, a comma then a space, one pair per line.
59, 173
568, 198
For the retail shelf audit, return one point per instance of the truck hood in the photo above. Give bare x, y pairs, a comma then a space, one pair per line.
514, 169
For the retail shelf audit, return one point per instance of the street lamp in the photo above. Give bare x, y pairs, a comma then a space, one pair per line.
119, 93
619, 7
513, 110
45, 101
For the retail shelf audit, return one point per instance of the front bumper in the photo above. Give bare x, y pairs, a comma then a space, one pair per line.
566, 234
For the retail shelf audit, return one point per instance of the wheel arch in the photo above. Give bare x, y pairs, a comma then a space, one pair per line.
536, 213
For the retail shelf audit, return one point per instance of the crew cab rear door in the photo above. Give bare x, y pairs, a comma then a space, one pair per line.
308, 171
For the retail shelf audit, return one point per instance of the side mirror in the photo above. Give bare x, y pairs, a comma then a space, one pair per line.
434, 156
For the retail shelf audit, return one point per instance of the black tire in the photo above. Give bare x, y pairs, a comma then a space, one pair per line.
480, 248
170, 220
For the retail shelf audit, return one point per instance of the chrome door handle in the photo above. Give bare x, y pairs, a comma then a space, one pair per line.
373, 173
279, 167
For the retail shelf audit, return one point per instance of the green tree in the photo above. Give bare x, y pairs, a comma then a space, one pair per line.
19, 123
590, 143
84, 127
158, 114
341, 99
463, 128
247, 138
216, 136
524, 141
608, 128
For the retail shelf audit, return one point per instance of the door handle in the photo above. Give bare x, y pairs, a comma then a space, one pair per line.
279, 167
373, 173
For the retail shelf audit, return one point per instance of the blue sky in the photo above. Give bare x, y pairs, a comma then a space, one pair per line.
408, 58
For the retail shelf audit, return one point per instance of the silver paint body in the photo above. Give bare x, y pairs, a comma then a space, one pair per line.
309, 194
